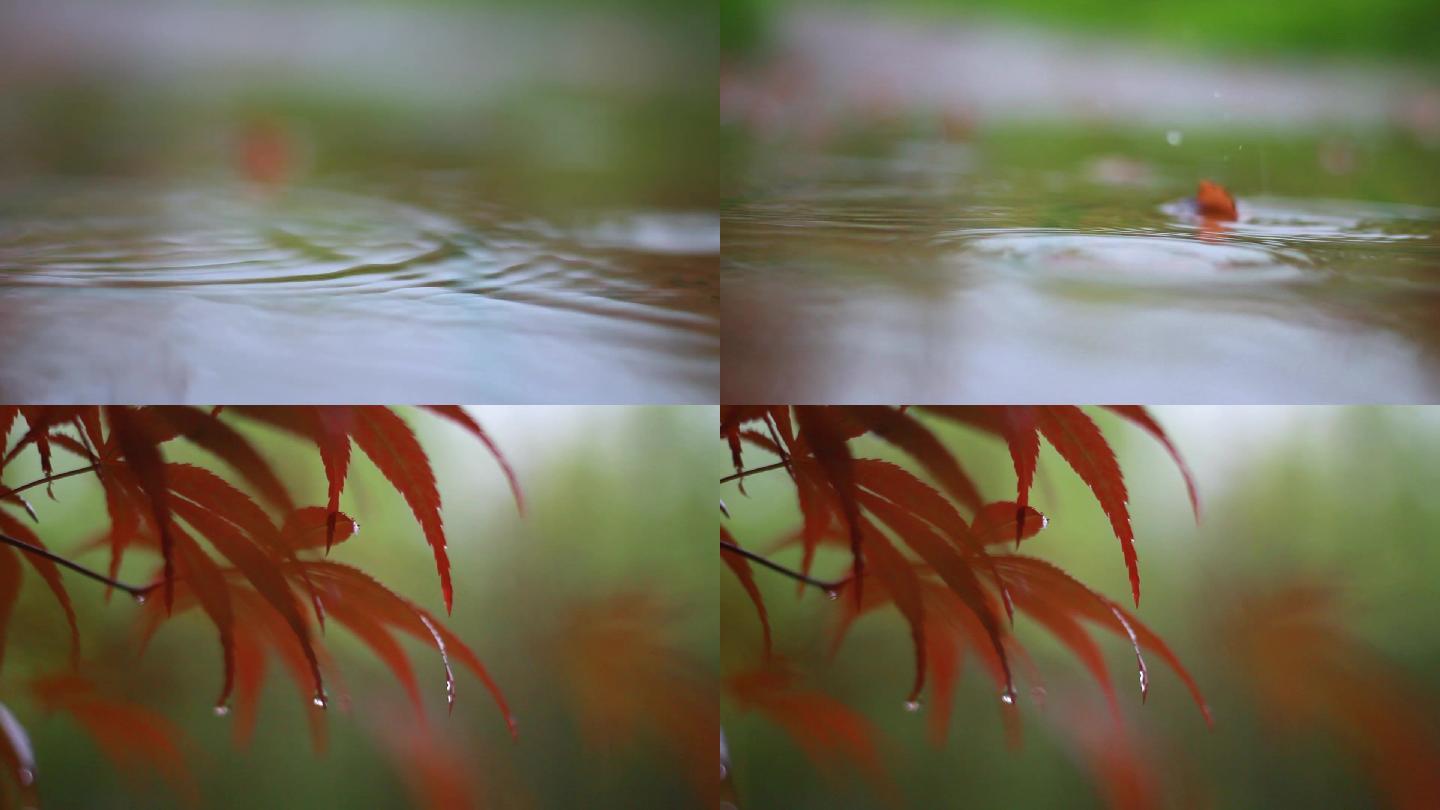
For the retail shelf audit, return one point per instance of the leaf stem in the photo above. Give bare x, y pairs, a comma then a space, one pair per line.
47, 479
744, 473
828, 587
74, 566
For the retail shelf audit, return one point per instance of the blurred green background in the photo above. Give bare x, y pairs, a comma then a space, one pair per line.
615, 507
1386, 29
559, 104
1342, 496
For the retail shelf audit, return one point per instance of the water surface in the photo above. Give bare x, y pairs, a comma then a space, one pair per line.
408, 288
928, 270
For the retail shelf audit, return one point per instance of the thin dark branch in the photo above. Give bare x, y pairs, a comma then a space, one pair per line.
744, 473
828, 587
49, 478
76, 567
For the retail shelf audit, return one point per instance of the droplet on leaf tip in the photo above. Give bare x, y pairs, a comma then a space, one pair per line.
319, 701
832, 594
1008, 698
221, 710
912, 705
26, 776
139, 598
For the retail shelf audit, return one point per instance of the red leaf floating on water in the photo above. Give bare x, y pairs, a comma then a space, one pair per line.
1214, 202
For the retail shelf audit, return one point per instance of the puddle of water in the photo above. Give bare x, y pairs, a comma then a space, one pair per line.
923, 272
130, 291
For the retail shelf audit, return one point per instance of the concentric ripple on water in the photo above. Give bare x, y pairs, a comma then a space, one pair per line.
897, 278
110, 287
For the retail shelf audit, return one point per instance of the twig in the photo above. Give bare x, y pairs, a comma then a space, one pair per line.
47, 479
744, 473
76, 567
828, 587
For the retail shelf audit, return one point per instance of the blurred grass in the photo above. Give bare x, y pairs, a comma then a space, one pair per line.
1386, 30
1389, 166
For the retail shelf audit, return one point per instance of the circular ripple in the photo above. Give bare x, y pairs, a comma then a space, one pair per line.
226, 236
1135, 259
1318, 220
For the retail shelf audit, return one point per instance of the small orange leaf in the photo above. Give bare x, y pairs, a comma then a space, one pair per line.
1214, 201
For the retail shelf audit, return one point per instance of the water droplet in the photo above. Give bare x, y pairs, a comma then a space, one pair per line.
221, 710
26, 776
1174, 137
319, 701
1008, 698
912, 705
724, 772
832, 594
139, 598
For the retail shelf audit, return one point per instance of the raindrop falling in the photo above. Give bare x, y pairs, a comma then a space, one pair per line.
221, 710
1174, 137
912, 705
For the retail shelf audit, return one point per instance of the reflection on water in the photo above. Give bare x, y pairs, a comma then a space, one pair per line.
919, 274
215, 292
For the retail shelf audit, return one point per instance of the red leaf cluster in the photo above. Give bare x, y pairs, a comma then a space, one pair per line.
933, 548
245, 559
